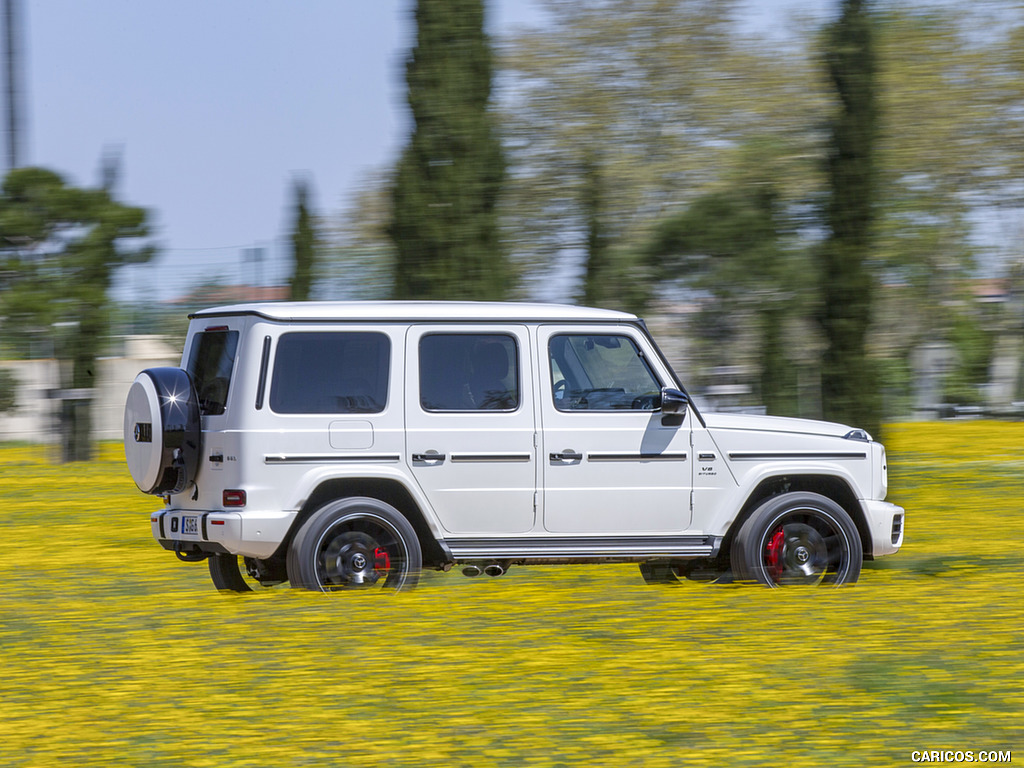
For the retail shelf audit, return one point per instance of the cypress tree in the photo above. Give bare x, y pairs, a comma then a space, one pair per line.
850, 391
303, 245
597, 279
444, 222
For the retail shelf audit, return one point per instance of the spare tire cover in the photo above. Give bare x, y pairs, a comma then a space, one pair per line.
162, 431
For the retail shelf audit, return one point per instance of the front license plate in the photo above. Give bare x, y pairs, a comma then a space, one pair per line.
190, 525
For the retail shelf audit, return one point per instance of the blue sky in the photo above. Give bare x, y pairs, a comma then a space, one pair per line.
215, 105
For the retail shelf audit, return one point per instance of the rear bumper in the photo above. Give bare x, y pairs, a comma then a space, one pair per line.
192, 548
252, 534
886, 524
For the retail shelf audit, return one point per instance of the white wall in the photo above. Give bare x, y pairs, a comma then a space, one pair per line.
34, 419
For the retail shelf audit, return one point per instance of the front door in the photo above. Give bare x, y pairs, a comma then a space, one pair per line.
611, 462
471, 426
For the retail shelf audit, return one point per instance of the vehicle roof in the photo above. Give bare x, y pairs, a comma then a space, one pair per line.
396, 311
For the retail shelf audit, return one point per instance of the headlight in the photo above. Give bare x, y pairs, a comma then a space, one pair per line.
880, 472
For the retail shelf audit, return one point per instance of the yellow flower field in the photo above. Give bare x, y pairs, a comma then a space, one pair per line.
114, 653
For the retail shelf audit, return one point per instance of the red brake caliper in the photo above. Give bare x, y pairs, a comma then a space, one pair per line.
773, 554
381, 559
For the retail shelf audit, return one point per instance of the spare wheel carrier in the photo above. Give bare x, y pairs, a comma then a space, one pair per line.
162, 431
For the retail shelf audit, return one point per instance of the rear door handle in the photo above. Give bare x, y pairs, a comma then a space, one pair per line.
430, 457
566, 457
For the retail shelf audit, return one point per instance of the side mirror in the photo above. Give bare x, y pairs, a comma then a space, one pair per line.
673, 401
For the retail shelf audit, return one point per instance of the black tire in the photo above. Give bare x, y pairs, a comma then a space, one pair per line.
355, 543
227, 573
798, 539
705, 572
659, 572
231, 573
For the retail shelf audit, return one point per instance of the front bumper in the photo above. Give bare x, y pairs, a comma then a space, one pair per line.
886, 522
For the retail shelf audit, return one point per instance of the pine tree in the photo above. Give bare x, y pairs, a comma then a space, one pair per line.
850, 392
59, 249
447, 183
729, 244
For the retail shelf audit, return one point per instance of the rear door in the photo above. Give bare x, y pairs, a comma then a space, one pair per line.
212, 351
471, 425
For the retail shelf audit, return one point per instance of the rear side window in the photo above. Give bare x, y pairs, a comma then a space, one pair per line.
331, 372
469, 372
210, 362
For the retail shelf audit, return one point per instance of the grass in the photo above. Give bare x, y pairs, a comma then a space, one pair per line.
114, 653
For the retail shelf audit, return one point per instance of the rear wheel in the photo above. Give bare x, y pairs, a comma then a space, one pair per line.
355, 543
798, 539
231, 573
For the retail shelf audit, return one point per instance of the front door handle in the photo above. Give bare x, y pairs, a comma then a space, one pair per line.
567, 456
430, 457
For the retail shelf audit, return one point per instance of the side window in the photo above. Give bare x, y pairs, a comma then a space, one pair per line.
469, 372
331, 372
210, 362
600, 373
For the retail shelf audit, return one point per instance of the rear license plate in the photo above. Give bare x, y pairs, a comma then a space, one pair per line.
190, 525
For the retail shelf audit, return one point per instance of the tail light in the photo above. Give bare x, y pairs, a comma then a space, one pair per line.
233, 498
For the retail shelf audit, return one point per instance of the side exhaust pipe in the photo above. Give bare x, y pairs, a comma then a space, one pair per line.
492, 569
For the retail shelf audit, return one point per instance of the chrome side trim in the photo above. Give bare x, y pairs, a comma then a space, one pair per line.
483, 458
330, 458
636, 457
547, 547
788, 455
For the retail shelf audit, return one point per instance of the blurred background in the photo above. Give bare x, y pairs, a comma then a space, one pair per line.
817, 205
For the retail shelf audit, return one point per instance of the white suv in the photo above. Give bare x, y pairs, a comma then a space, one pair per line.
345, 445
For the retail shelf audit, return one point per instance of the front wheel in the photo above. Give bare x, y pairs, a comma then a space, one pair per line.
659, 572
355, 543
798, 539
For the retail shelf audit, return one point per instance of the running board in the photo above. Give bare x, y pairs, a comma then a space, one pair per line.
540, 548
